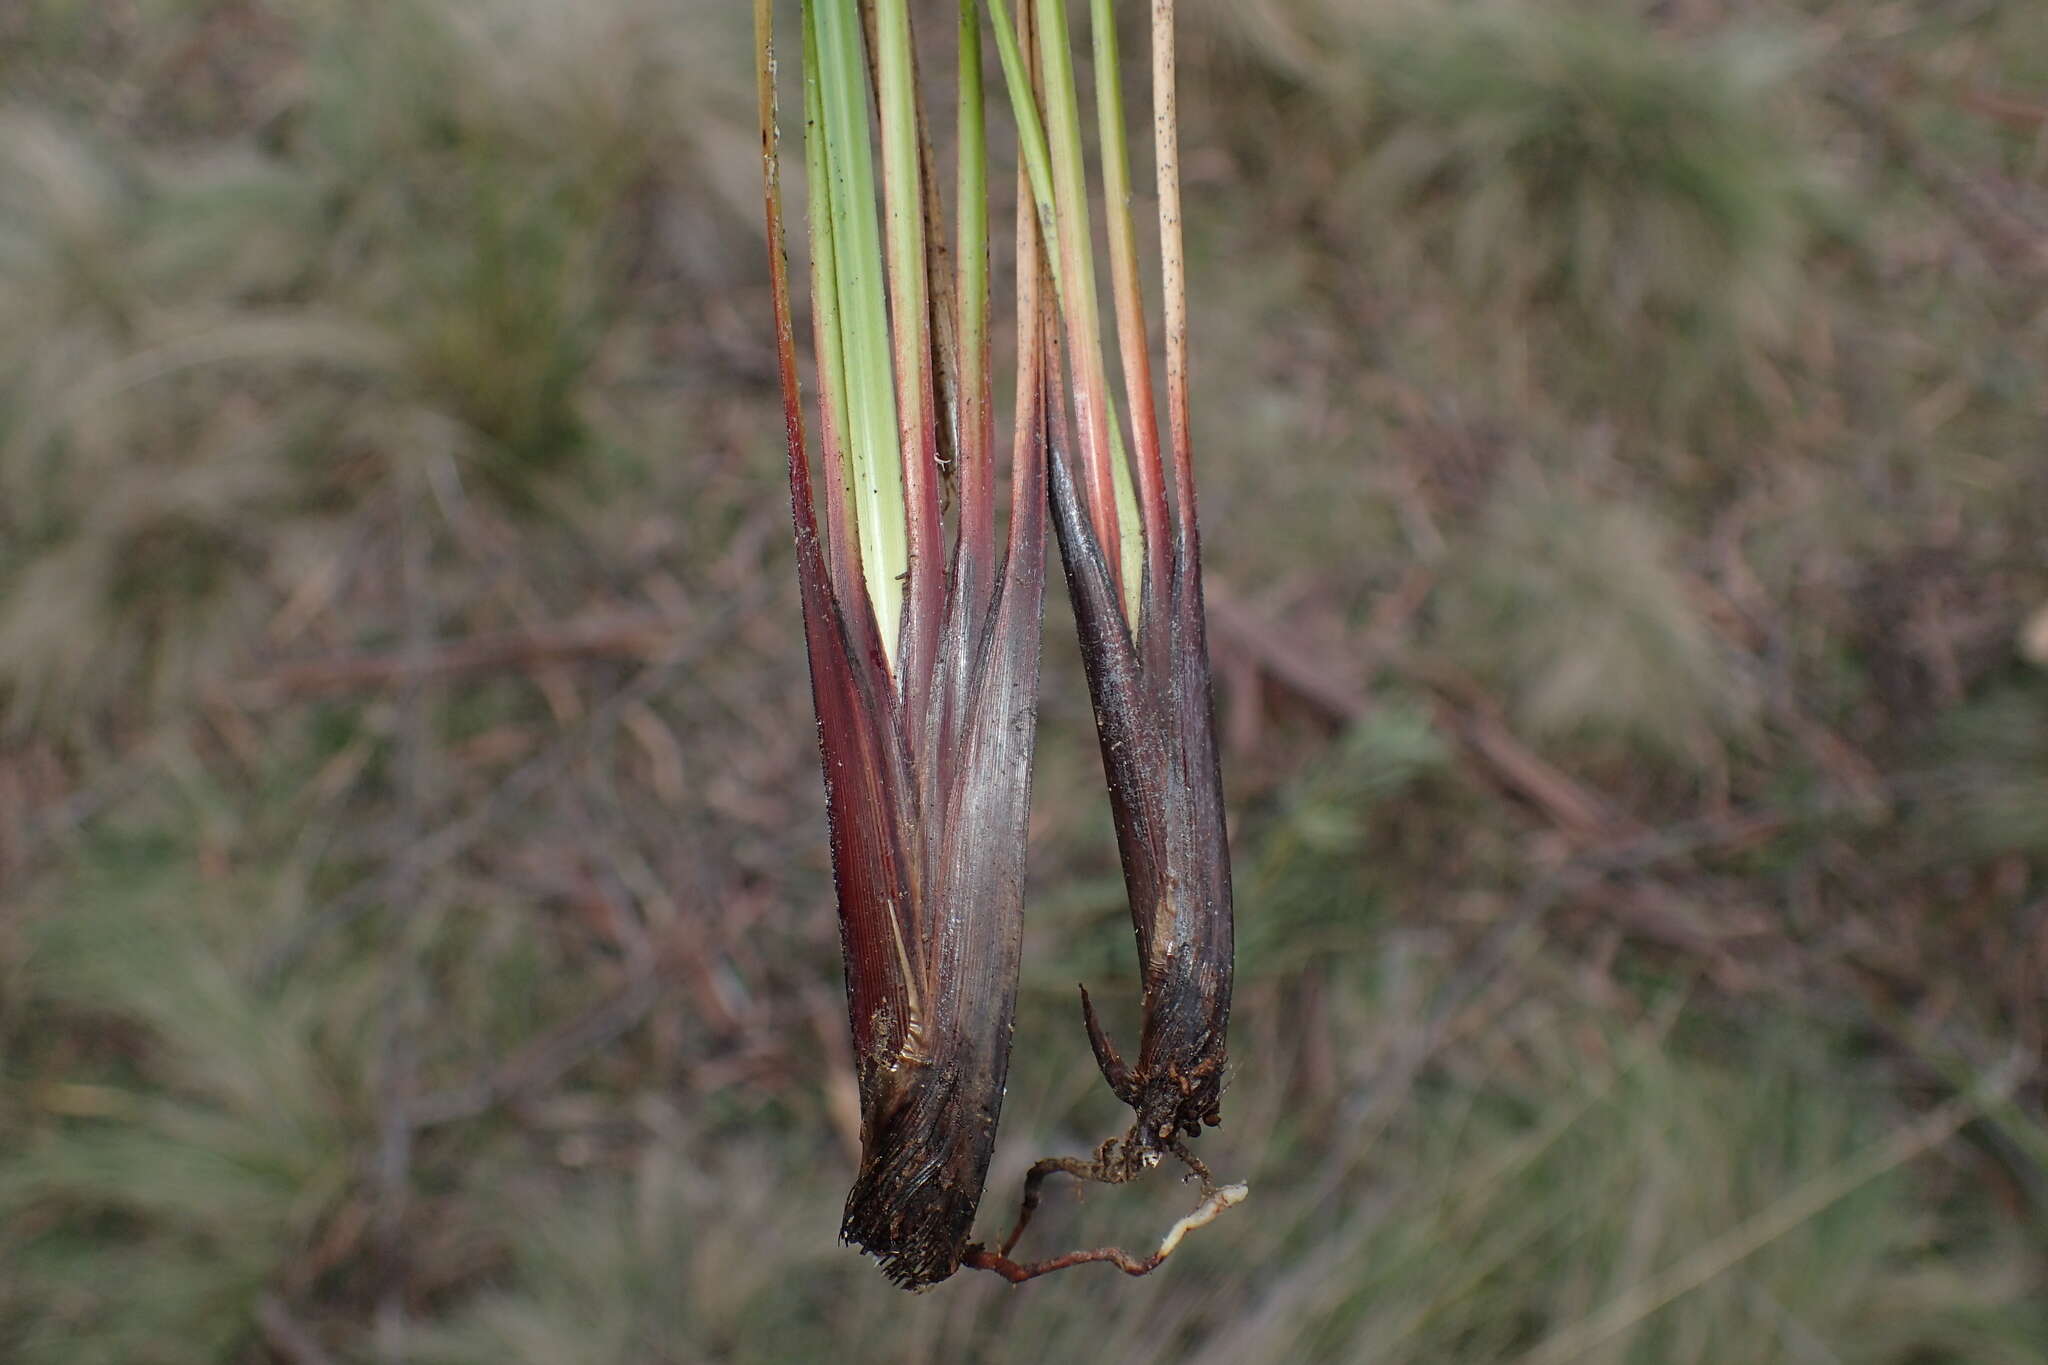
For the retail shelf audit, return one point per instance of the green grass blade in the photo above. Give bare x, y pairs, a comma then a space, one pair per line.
871, 435
1031, 145
905, 206
836, 456
973, 441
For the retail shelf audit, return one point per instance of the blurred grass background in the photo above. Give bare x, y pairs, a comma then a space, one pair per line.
1622, 433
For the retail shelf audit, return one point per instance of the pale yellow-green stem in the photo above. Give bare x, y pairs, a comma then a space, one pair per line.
1050, 143
1173, 273
1112, 503
1132, 343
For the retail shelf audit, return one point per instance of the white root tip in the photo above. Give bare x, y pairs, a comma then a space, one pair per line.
1202, 1216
